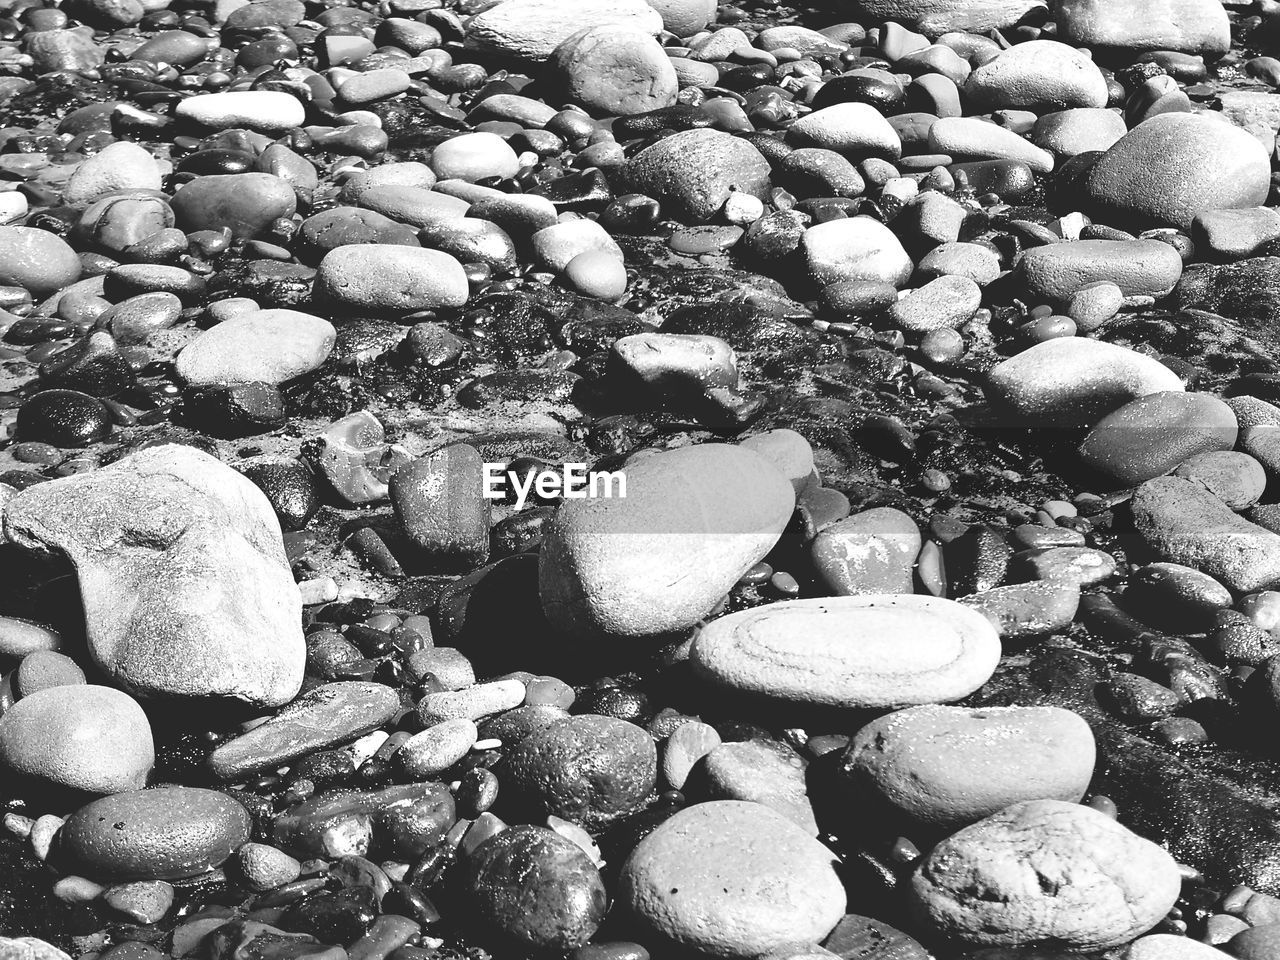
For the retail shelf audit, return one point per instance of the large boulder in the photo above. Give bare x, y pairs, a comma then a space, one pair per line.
532, 29
185, 585
1167, 170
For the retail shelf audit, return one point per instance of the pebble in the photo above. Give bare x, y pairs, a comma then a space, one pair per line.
615, 71
441, 507
594, 582
1058, 271
946, 302
118, 166
856, 248
732, 878
1187, 26
1069, 133
265, 867
1166, 946
247, 204
390, 279
968, 138
693, 172
267, 346
770, 774
864, 651
1235, 478
872, 552
1074, 381
1103, 885
1023, 610
948, 767
266, 111
857, 130
474, 156
473, 703
63, 418
1039, 75
145, 901
535, 889
590, 770
687, 745
436, 749
532, 29
167, 833
37, 260
82, 737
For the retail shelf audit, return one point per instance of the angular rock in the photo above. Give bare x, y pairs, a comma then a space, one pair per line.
182, 571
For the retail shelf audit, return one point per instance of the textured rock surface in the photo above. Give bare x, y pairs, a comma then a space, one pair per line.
182, 573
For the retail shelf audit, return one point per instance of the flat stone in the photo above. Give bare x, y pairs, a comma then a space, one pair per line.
851, 652
1184, 523
1027, 609
268, 111
936, 17
331, 714
1056, 272
1187, 26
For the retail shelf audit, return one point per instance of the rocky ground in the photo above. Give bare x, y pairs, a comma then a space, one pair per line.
935, 341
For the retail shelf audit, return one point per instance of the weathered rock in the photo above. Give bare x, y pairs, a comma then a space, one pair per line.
183, 576
1038, 75
871, 552
118, 166
615, 71
386, 278
694, 171
1055, 272
1045, 872
936, 17
732, 879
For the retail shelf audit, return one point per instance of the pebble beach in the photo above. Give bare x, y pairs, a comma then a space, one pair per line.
639, 480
